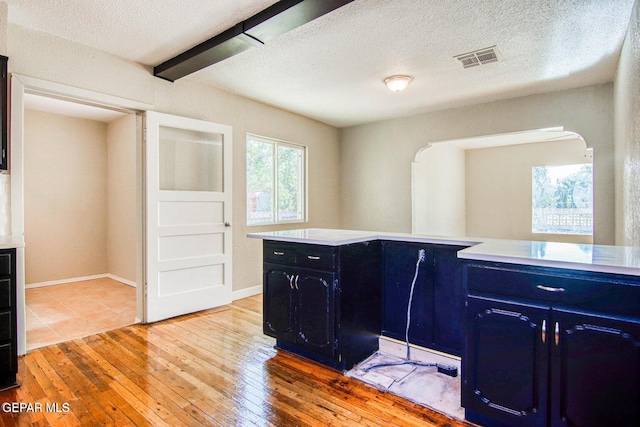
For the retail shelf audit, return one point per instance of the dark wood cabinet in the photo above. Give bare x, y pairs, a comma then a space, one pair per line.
551, 347
323, 302
505, 368
8, 318
596, 366
299, 307
4, 113
437, 305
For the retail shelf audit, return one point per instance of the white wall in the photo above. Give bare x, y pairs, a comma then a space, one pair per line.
627, 136
376, 158
49, 58
438, 187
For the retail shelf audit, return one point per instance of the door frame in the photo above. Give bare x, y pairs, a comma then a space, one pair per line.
19, 86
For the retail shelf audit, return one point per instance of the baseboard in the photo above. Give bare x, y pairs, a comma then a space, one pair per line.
121, 280
246, 292
79, 279
60, 282
421, 354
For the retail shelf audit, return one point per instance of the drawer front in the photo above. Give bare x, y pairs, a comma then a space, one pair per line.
5, 293
6, 326
5, 264
7, 368
279, 253
317, 257
590, 291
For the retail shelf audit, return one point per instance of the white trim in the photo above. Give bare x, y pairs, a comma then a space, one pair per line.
19, 86
63, 281
122, 280
246, 292
80, 279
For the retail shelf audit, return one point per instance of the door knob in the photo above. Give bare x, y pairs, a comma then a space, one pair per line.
227, 224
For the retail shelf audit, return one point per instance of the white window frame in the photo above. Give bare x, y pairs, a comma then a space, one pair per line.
303, 185
555, 232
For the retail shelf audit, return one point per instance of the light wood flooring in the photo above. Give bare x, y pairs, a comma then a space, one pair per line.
74, 310
210, 368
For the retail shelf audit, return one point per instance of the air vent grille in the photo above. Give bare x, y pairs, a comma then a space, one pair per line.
479, 57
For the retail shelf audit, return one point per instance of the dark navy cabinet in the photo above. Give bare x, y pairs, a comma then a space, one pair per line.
300, 307
438, 300
551, 347
8, 329
323, 302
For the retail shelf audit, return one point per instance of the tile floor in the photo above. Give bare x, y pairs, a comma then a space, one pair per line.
74, 310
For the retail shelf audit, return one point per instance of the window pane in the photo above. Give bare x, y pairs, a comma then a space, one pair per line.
260, 171
290, 182
190, 160
563, 199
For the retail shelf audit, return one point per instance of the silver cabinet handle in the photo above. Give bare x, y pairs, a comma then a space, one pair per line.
550, 289
278, 253
297, 277
291, 282
557, 333
544, 331
315, 258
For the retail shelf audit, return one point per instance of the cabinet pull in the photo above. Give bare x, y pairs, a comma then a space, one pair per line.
291, 282
544, 331
315, 258
278, 253
297, 277
557, 333
550, 289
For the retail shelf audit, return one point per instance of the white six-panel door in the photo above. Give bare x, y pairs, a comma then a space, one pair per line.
188, 214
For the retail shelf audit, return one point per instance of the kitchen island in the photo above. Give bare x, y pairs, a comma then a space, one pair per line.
549, 333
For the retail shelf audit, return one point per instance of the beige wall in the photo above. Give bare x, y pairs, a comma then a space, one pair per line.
627, 136
498, 188
49, 58
65, 201
121, 197
376, 158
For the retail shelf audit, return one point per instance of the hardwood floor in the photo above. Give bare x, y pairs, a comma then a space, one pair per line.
210, 368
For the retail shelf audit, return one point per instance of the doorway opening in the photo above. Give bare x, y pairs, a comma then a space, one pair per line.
481, 187
79, 219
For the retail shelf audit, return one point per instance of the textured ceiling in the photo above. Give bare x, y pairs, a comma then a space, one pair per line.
332, 68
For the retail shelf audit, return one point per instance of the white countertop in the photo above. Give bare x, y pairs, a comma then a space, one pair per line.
10, 242
596, 258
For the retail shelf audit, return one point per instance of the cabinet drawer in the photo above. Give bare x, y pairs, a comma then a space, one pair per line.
6, 364
5, 326
590, 291
279, 253
5, 264
5, 293
317, 257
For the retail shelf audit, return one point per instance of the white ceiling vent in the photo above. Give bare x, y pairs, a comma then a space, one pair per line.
478, 57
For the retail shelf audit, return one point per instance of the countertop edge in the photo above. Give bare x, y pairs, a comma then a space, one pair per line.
615, 261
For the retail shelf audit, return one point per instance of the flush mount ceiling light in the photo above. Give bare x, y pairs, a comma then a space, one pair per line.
397, 83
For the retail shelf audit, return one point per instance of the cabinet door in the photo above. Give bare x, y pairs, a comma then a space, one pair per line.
399, 269
315, 311
596, 371
278, 302
506, 363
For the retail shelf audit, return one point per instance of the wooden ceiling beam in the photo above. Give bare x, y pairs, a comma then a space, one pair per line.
275, 20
